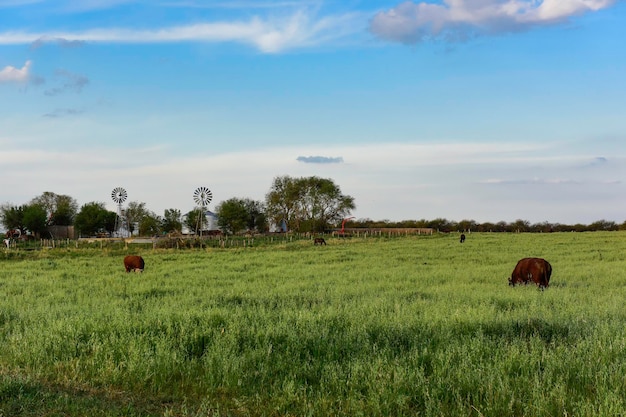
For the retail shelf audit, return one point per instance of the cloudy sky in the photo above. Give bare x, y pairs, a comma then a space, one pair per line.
465, 109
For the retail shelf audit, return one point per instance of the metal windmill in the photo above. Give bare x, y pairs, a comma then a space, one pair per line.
118, 195
202, 196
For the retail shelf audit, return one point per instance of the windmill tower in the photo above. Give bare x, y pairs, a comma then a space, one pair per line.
202, 196
118, 195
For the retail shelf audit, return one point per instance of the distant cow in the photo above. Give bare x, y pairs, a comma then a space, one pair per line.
462, 238
13, 234
133, 263
319, 241
535, 270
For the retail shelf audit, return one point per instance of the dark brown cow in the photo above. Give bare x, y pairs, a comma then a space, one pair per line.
319, 241
462, 239
535, 270
134, 263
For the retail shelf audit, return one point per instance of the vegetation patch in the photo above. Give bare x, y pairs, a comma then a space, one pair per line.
405, 326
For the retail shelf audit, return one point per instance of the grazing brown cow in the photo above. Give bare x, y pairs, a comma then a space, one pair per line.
319, 241
134, 263
535, 270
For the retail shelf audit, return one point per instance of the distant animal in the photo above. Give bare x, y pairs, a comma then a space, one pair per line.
14, 234
134, 263
462, 238
535, 270
319, 241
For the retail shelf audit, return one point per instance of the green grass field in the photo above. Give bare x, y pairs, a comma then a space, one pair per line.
410, 326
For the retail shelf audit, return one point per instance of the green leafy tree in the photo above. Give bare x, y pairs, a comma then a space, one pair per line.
48, 201
521, 225
60, 209
467, 225
502, 226
233, 215
441, 224
257, 219
65, 212
93, 218
283, 201
486, 227
150, 225
307, 204
172, 221
135, 212
603, 225
12, 217
35, 219
323, 204
194, 220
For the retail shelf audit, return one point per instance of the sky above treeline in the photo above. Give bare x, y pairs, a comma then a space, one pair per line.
491, 110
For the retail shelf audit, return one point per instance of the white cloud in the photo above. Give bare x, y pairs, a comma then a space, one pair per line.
560, 9
411, 22
12, 74
269, 35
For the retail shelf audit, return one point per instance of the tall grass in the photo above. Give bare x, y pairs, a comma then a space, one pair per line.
412, 326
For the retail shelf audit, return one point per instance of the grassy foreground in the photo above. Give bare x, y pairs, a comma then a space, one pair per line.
411, 326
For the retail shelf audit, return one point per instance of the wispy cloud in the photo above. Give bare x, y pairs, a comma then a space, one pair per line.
70, 82
454, 20
269, 35
243, 4
11, 74
597, 162
530, 181
62, 113
320, 160
63, 43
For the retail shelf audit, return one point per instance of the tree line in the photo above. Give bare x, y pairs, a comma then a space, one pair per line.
306, 204
518, 226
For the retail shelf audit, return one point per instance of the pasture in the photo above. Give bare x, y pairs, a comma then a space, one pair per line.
405, 326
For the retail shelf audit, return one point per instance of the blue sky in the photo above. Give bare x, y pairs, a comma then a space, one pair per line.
465, 109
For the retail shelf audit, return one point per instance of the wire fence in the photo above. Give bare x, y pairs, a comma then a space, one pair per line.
210, 241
